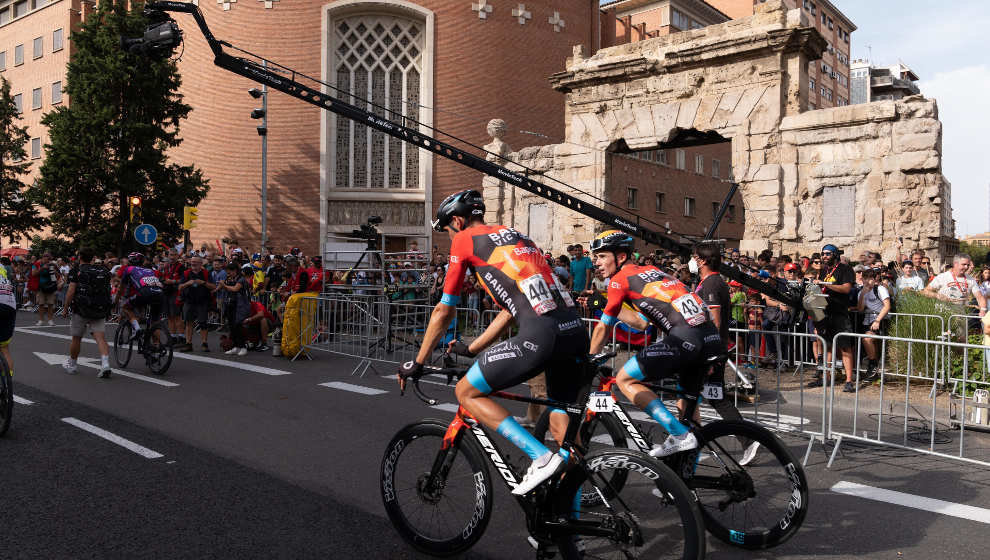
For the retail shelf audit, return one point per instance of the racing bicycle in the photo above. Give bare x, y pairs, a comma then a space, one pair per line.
6, 395
749, 501
437, 491
154, 342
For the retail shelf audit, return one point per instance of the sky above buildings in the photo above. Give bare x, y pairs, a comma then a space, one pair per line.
945, 43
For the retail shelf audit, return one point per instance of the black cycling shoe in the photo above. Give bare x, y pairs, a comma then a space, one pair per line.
849, 387
815, 383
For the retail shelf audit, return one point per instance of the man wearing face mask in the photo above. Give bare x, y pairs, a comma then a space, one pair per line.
836, 280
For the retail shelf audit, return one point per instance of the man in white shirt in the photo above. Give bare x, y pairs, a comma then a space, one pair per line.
954, 286
910, 279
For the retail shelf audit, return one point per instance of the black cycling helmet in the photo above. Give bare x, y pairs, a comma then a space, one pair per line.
135, 258
613, 240
465, 203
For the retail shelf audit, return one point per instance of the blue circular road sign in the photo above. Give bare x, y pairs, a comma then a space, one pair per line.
146, 234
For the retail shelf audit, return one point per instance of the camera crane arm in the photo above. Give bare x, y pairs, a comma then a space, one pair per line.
289, 85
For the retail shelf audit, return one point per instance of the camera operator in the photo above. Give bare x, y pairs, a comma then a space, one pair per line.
836, 280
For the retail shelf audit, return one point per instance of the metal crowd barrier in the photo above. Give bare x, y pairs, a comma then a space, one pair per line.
372, 329
918, 428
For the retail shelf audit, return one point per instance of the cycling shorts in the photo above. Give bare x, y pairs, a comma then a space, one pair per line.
147, 295
7, 317
683, 355
556, 343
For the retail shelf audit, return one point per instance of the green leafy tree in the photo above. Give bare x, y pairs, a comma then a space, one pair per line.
977, 252
111, 143
18, 215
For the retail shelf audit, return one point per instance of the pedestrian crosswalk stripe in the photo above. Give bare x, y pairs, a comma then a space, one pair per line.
22, 400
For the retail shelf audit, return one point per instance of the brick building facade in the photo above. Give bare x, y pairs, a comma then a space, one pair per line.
34, 53
679, 189
452, 64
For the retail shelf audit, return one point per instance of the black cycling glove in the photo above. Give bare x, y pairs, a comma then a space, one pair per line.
410, 369
461, 348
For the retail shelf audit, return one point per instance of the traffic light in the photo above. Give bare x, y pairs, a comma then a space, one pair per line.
189, 216
134, 203
259, 114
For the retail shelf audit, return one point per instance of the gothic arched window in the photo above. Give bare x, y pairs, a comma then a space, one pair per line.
377, 58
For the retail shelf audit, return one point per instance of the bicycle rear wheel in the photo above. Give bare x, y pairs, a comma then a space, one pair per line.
438, 515
6, 396
653, 515
123, 346
759, 505
158, 348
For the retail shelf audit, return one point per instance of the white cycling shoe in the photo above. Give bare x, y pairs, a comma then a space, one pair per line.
750, 453
541, 469
675, 444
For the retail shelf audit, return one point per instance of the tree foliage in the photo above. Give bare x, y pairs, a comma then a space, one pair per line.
112, 142
18, 215
977, 252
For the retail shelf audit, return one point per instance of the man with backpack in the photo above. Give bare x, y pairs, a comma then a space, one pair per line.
89, 299
47, 276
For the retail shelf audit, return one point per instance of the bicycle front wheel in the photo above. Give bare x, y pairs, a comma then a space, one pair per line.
158, 348
122, 343
440, 500
759, 504
653, 514
6, 396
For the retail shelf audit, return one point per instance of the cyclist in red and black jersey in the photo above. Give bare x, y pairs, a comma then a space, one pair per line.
551, 338
690, 337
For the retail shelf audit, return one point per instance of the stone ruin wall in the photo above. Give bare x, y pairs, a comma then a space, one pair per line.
741, 79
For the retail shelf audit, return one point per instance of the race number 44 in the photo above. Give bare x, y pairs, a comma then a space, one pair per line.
538, 293
600, 401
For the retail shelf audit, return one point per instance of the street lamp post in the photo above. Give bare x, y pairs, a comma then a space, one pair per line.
263, 132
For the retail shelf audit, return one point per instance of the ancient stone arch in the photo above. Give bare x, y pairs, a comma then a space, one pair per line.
858, 176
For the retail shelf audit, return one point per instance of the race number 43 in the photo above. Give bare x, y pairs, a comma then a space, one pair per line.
712, 391
600, 401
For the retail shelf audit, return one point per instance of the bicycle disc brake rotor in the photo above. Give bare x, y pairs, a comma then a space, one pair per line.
430, 492
739, 488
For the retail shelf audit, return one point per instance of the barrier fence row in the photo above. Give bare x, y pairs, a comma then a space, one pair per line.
928, 396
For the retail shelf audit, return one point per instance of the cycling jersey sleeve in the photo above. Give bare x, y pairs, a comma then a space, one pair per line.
616, 295
460, 252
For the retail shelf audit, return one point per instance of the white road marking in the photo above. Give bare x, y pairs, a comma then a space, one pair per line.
183, 355
52, 359
352, 388
910, 500
113, 438
22, 400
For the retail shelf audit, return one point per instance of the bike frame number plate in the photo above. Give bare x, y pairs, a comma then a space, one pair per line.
601, 401
712, 391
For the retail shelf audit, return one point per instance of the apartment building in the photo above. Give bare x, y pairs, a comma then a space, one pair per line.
828, 77
627, 21
877, 83
34, 54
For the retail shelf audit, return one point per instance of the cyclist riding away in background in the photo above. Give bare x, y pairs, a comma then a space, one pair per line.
551, 337
141, 287
690, 336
